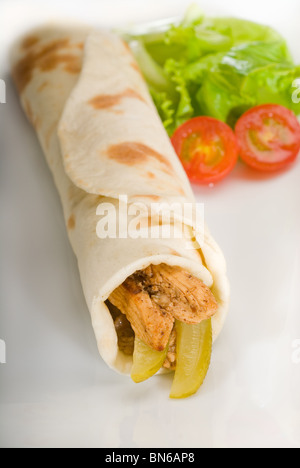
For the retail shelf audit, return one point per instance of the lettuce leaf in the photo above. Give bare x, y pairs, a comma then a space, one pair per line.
218, 67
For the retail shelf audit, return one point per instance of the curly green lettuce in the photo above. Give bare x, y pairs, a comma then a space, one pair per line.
218, 67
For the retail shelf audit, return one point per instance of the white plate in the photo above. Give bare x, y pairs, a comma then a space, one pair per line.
55, 389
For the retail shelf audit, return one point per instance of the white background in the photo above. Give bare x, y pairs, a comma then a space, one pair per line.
55, 391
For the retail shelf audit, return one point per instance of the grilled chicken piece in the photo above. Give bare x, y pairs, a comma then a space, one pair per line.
178, 292
153, 298
150, 323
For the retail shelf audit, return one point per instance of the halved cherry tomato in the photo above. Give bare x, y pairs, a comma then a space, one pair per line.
268, 137
207, 148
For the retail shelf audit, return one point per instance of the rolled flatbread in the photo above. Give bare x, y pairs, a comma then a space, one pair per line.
84, 95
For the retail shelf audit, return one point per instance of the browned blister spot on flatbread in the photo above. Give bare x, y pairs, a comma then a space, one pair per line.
150, 175
154, 222
173, 252
135, 66
154, 198
73, 66
127, 47
71, 222
46, 58
107, 101
29, 41
43, 86
135, 153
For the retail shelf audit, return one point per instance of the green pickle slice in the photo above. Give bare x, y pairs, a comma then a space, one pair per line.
193, 354
146, 361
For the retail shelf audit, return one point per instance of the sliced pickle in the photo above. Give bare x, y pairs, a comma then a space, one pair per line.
193, 354
146, 361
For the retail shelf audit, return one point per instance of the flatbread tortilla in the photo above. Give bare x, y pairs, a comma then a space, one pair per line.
102, 137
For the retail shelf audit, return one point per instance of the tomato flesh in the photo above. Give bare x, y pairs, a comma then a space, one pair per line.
268, 137
207, 149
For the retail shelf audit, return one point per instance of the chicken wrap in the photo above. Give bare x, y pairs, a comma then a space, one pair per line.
156, 302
